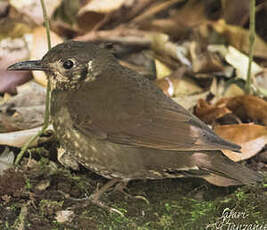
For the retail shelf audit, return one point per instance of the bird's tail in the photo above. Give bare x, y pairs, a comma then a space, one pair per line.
219, 165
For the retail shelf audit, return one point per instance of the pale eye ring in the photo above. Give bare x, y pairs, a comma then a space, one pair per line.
68, 64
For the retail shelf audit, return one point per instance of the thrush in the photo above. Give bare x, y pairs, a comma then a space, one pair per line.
121, 126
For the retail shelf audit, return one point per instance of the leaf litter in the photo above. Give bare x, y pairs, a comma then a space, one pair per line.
190, 51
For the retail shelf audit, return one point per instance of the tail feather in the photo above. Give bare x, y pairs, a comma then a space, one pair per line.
217, 163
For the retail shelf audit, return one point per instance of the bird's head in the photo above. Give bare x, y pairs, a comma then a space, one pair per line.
71, 63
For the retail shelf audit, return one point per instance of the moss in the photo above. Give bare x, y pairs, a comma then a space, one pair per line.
50, 207
182, 204
188, 213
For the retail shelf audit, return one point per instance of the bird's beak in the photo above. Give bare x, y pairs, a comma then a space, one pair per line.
27, 65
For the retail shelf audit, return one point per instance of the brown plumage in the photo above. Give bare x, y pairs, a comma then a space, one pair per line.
118, 124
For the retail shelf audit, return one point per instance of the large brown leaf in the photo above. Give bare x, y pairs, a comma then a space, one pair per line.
252, 138
248, 107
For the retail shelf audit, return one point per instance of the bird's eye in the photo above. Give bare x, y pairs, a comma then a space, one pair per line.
68, 64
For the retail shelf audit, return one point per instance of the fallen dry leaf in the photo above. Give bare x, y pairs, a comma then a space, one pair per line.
10, 80
33, 8
131, 9
120, 35
19, 138
178, 84
210, 113
6, 160
233, 91
239, 38
189, 101
252, 138
187, 86
221, 90
204, 61
153, 9
64, 216
261, 82
39, 49
180, 24
96, 13
25, 110
176, 87
247, 107
162, 70
240, 62
11, 51
161, 44
235, 13
103, 6
217, 88
166, 84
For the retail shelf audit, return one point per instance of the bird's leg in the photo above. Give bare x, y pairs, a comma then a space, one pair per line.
99, 192
121, 186
95, 197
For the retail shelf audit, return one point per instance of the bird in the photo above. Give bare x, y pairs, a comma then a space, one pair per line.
121, 126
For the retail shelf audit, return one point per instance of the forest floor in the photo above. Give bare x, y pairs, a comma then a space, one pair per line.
42, 194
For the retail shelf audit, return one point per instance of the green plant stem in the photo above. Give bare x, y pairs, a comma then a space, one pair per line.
48, 94
251, 45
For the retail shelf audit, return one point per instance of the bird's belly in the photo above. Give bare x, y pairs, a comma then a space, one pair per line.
114, 160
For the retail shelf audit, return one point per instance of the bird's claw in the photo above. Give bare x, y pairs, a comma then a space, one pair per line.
103, 205
121, 188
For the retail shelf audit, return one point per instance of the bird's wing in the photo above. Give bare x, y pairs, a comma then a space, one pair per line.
137, 113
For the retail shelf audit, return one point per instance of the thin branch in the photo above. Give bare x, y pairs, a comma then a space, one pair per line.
48, 94
251, 45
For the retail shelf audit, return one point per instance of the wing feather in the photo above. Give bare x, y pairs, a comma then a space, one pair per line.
137, 113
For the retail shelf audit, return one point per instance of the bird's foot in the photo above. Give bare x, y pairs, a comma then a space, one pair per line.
104, 206
95, 197
122, 186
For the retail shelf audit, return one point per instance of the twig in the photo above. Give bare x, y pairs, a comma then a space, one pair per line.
48, 93
251, 45
154, 9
